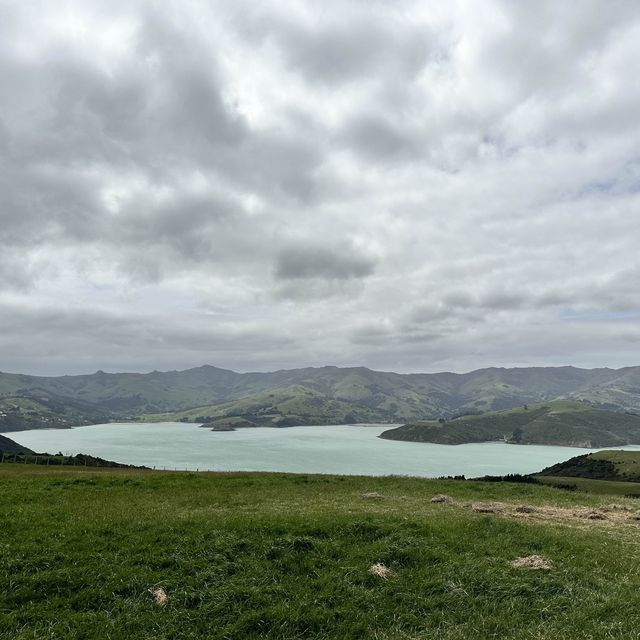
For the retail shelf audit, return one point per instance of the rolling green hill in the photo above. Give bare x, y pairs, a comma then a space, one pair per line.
620, 466
45, 411
325, 395
563, 423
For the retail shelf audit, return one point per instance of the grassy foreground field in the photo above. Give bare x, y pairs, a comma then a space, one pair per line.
289, 556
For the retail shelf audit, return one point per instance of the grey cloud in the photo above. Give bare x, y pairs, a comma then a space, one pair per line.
424, 313
15, 273
461, 299
192, 224
504, 300
82, 338
496, 300
308, 262
384, 336
345, 43
376, 137
309, 290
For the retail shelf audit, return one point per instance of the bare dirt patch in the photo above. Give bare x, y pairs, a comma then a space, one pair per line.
440, 498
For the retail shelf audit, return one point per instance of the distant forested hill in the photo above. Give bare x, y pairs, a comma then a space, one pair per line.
561, 422
301, 396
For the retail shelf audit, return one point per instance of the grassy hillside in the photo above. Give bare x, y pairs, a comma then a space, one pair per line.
594, 487
295, 405
85, 553
9, 446
564, 423
315, 395
623, 390
46, 412
620, 466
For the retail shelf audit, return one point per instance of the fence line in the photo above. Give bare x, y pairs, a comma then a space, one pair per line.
74, 461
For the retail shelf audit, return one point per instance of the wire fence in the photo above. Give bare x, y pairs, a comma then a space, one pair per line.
81, 460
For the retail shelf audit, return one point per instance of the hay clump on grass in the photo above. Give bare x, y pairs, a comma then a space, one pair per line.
159, 595
525, 508
595, 514
485, 507
372, 495
381, 571
617, 507
532, 562
440, 498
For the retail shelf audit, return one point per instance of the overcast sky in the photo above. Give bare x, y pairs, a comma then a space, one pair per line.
409, 186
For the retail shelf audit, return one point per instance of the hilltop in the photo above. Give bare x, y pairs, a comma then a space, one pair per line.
562, 423
325, 395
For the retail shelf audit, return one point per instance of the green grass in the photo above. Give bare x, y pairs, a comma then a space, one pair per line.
287, 556
599, 487
627, 463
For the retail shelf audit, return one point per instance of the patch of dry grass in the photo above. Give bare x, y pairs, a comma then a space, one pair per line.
486, 507
381, 571
159, 596
532, 562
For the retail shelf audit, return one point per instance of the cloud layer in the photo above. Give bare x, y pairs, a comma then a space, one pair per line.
403, 185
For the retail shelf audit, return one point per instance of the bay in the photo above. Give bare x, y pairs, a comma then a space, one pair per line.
342, 449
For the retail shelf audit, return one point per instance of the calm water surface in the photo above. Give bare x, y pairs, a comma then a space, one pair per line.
326, 449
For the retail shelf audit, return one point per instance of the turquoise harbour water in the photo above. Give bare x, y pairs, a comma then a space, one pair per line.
344, 449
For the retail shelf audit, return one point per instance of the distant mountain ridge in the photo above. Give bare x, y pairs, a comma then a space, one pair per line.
304, 396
